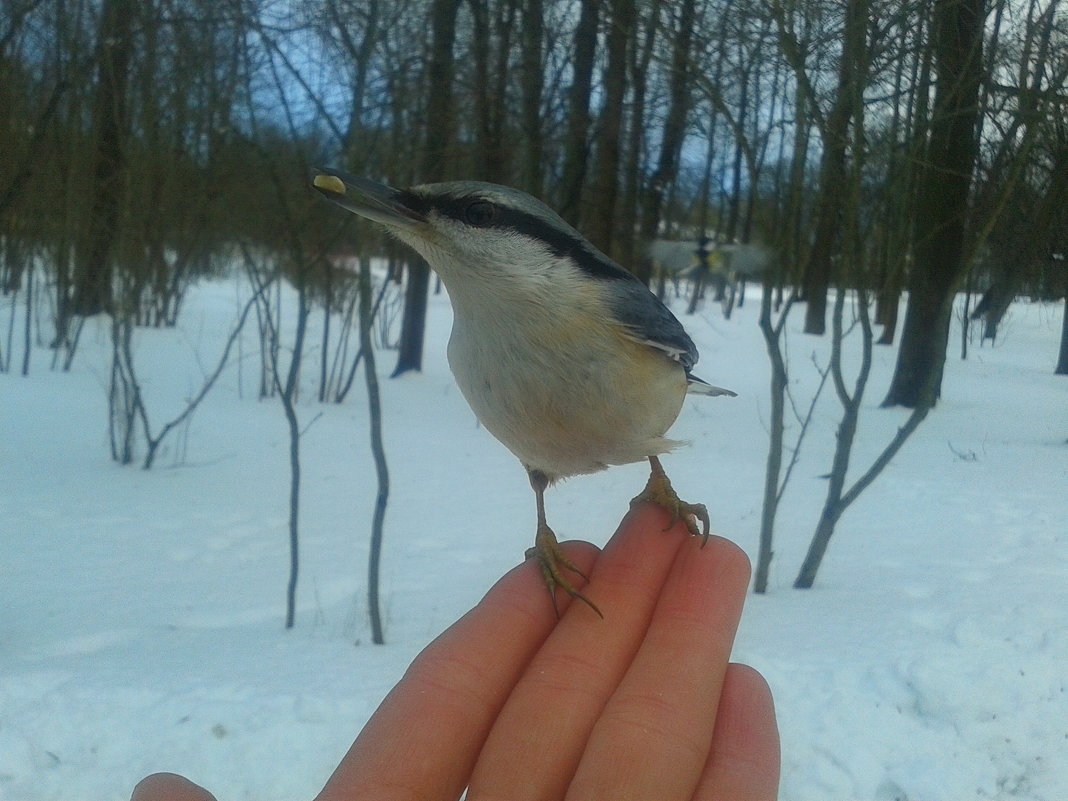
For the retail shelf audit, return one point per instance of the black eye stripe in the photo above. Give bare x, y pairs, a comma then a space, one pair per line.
562, 243
559, 241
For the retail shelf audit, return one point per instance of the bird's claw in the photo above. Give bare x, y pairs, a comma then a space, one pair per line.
660, 492
553, 562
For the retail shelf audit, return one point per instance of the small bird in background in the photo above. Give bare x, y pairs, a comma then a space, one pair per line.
564, 356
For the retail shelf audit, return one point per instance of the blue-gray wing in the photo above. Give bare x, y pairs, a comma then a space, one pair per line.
652, 322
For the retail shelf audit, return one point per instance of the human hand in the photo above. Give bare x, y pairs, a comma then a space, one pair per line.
516, 705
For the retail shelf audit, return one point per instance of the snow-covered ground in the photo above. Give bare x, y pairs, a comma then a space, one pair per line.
142, 610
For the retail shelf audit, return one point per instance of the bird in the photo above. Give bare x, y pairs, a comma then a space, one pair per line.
564, 356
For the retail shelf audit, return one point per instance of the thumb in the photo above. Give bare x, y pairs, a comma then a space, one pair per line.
169, 787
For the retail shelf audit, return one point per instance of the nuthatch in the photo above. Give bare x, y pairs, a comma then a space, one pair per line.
567, 358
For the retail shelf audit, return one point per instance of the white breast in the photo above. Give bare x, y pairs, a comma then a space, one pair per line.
564, 390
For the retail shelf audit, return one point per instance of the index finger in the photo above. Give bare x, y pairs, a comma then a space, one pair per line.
436, 719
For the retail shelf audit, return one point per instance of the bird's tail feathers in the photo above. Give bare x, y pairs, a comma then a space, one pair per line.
699, 387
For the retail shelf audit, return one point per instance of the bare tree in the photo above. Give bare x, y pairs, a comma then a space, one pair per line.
674, 132
604, 182
943, 204
378, 452
840, 497
126, 402
1062, 354
569, 194
438, 138
532, 80
285, 381
491, 44
92, 286
776, 475
834, 133
908, 125
641, 57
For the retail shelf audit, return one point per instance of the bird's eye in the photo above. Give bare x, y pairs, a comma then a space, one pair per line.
480, 213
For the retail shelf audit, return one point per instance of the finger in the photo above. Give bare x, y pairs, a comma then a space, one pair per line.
654, 736
535, 746
169, 787
423, 740
744, 762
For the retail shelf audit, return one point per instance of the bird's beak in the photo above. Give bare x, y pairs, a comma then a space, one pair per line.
377, 202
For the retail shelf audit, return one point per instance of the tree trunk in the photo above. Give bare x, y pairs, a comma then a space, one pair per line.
1062, 361
490, 83
777, 427
793, 234
674, 132
835, 134
886, 309
576, 146
413, 323
92, 279
889, 298
1031, 246
600, 222
942, 204
378, 451
533, 80
632, 167
439, 137
995, 302
288, 395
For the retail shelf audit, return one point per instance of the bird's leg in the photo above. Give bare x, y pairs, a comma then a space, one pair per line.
547, 551
660, 492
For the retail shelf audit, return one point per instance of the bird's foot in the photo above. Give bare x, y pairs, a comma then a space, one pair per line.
660, 492
553, 562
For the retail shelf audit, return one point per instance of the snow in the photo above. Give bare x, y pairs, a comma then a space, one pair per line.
143, 610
